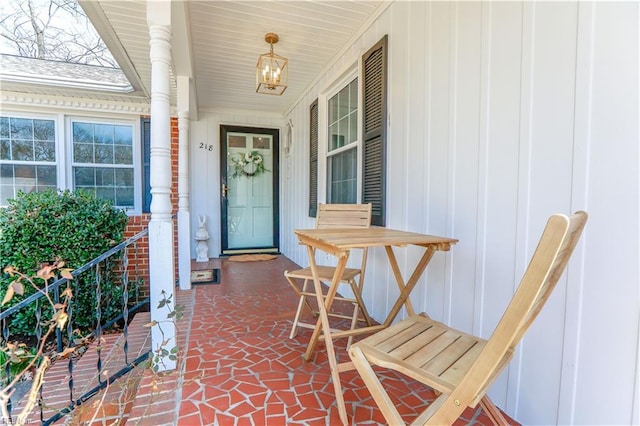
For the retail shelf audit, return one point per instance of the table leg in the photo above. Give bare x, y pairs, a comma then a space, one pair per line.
405, 290
324, 304
322, 326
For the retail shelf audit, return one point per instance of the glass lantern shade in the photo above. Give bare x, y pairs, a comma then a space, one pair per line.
272, 73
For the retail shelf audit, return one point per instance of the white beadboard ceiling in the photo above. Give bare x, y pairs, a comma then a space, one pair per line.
226, 39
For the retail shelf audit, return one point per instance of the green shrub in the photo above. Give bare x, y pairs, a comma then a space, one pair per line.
17, 359
75, 227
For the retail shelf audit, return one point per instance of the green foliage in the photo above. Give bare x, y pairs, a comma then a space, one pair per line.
76, 227
162, 353
15, 359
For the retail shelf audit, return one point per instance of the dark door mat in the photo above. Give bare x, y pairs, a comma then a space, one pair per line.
205, 276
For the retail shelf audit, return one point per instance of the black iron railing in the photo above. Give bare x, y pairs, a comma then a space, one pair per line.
121, 262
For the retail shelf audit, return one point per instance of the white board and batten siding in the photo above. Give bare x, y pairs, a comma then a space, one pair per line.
500, 114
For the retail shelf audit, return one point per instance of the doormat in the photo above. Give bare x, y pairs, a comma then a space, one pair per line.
205, 276
251, 257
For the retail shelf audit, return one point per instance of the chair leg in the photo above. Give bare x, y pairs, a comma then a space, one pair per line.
493, 412
303, 301
306, 302
294, 327
354, 322
356, 289
378, 393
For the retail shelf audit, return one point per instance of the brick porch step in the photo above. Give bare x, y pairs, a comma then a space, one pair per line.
112, 405
109, 406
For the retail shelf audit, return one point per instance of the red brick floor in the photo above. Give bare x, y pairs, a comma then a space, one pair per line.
241, 368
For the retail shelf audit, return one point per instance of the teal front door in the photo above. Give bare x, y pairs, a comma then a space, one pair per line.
249, 167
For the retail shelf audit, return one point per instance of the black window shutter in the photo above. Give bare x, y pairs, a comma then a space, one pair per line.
313, 159
146, 164
374, 129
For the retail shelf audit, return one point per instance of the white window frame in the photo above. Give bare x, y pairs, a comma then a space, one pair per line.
137, 165
351, 73
58, 132
64, 147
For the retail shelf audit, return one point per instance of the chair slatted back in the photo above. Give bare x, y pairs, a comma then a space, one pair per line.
346, 216
549, 260
343, 216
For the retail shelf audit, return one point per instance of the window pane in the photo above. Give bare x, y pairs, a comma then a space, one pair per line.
44, 130
6, 193
82, 153
4, 127
6, 174
45, 151
261, 142
124, 197
84, 176
105, 177
106, 193
123, 135
104, 154
103, 133
333, 111
237, 141
22, 150
333, 137
353, 127
25, 177
353, 96
342, 177
5, 149
123, 154
343, 102
21, 128
83, 132
46, 176
124, 177
343, 131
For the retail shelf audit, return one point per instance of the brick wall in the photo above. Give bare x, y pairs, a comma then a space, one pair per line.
139, 265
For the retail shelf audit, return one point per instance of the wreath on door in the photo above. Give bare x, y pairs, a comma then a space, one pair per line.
249, 164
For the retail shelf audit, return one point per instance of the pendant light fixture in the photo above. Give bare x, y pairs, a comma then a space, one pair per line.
272, 71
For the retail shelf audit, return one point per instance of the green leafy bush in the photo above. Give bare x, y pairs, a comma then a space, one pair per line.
17, 358
75, 227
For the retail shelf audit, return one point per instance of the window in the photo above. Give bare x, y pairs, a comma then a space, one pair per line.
100, 156
344, 150
27, 156
103, 161
342, 145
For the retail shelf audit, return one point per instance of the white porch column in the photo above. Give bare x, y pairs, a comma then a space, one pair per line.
161, 261
184, 216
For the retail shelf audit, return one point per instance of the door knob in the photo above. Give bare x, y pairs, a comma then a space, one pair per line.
225, 188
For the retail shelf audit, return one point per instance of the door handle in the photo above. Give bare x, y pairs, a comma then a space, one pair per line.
225, 188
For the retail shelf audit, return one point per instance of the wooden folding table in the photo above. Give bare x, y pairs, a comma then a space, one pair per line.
339, 242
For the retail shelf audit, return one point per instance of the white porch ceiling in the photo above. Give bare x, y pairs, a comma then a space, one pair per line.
227, 37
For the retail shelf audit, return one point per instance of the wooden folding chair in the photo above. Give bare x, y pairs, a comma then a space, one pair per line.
459, 366
334, 216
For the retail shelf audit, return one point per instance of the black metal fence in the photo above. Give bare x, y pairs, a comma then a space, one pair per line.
119, 263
